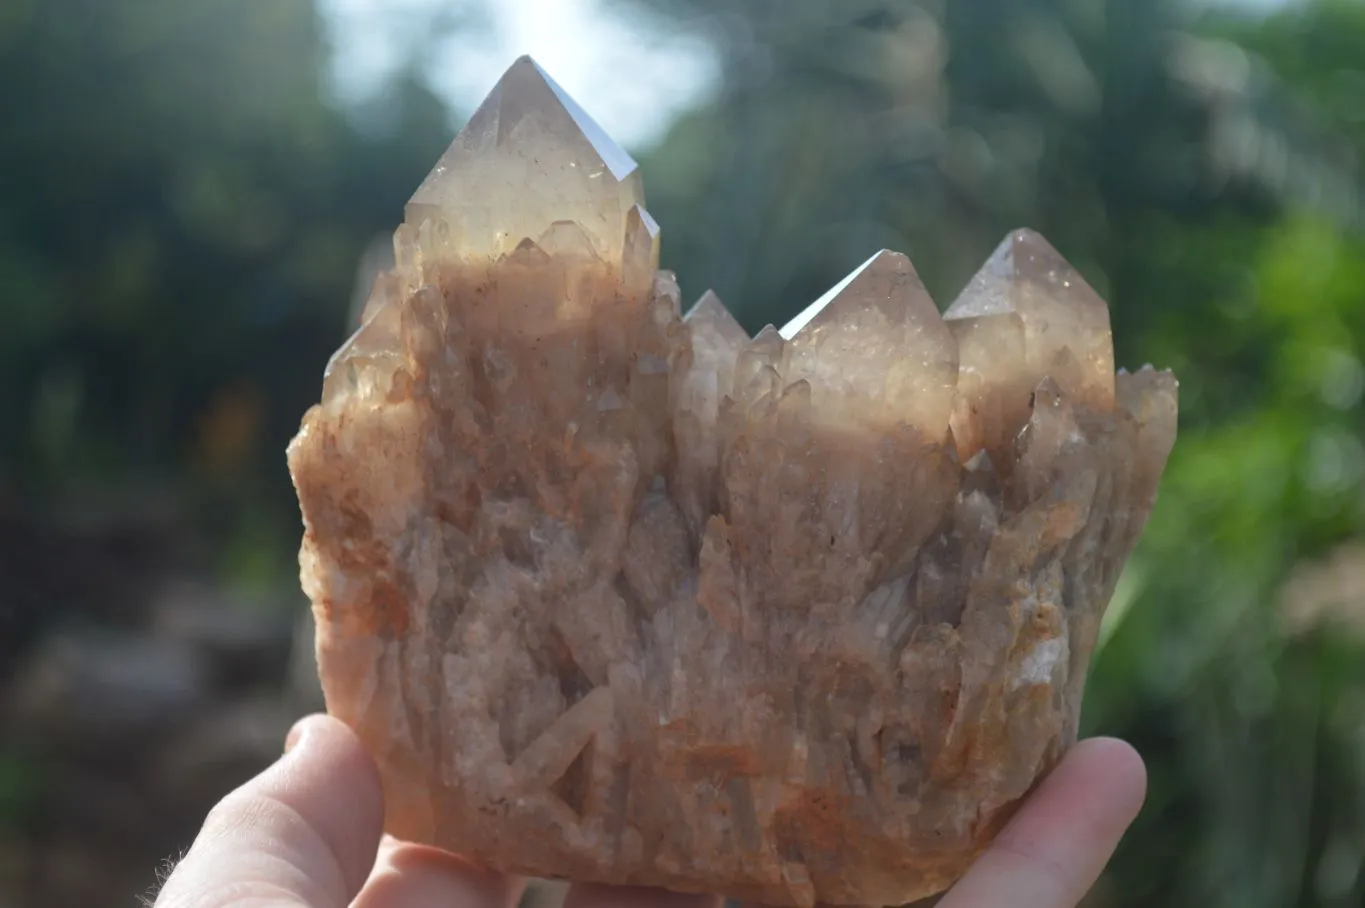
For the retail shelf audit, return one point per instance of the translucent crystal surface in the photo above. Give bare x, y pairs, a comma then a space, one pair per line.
1026, 314
529, 157
618, 595
874, 349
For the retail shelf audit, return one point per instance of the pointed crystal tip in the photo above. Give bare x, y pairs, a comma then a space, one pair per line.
530, 135
874, 348
1026, 316
878, 279
712, 315
1028, 280
1024, 255
640, 254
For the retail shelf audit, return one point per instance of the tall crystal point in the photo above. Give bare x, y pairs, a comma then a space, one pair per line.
619, 596
529, 157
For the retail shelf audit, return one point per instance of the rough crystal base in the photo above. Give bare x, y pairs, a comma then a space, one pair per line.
616, 595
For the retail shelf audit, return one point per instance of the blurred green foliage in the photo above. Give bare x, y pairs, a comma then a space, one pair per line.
20, 782
182, 217
183, 210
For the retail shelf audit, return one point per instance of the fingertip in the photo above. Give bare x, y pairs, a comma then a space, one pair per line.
338, 742
1052, 850
1119, 768
329, 777
296, 732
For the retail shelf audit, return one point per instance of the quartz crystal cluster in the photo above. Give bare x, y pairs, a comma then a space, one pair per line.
620, 595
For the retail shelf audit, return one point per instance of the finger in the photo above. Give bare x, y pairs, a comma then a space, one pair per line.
302, 833
594, 895
415, 876
1052, 851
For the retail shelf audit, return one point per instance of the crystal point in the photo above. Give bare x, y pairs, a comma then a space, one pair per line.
640, 254
1151, 400
529, 135
708, 380
1026, 315
874, 347
887, 282
569, 240
710, 315
365, 363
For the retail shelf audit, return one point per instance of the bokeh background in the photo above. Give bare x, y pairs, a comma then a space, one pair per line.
191, 191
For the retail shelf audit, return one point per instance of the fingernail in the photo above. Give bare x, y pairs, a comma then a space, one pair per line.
295, 735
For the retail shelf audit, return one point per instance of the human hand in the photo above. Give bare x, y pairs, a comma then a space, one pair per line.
306, 833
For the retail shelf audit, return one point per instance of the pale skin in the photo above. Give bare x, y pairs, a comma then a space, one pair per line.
306, 833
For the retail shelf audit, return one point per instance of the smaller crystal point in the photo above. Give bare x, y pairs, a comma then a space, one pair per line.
640, 249
1151, 398
717, 339
875, 349
387, 288
709, 314
529, 157
364, 365
886, 281
1028, 277
529, 254
568, 240
1026, 315
764, 354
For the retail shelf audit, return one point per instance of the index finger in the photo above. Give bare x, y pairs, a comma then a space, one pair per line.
1052, 851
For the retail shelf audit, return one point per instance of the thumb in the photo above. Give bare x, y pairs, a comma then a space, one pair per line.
302, 834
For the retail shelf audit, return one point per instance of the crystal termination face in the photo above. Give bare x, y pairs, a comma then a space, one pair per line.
619, 595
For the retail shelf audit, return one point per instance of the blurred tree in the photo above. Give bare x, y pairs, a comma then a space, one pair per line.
183, 210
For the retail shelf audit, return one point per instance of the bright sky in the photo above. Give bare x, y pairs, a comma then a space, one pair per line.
631, 78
